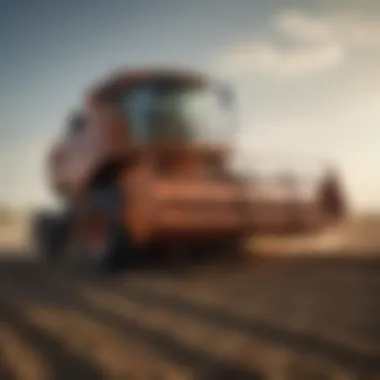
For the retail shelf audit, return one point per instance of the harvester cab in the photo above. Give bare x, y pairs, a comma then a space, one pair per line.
146, 162
177, 120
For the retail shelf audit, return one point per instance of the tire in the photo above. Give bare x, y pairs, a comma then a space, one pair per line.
49, 236
116, 250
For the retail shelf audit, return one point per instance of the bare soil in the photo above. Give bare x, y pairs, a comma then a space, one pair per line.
296, 319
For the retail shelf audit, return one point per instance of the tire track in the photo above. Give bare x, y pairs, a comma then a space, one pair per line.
22, 358
342, 311
116, 357
205, 365
185, 333
168, 328
181, 318
304, 312
63, 363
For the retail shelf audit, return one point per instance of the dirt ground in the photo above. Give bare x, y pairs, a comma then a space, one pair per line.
300, 309
280, 319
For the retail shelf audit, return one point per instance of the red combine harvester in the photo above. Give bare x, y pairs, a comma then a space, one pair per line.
145, 163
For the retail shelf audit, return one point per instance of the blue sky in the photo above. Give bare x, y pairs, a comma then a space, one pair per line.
306, 74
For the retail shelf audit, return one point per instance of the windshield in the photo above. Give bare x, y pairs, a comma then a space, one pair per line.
166, 112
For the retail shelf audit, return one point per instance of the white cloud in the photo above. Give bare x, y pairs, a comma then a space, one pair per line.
304, 27
347, 29
317, 44
261, 57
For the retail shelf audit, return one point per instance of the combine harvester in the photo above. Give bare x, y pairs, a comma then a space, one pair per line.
146, 164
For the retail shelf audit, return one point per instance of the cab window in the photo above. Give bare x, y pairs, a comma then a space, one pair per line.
138, 107
165, 111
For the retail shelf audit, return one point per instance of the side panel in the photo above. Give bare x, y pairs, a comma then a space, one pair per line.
199, 207
78, 157
139, 203
158, 207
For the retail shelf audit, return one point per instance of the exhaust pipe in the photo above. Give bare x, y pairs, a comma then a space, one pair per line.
332, 199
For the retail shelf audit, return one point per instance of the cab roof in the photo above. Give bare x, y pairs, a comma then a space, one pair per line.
129, 77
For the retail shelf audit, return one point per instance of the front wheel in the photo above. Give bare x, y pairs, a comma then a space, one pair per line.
104, 244
49, 236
